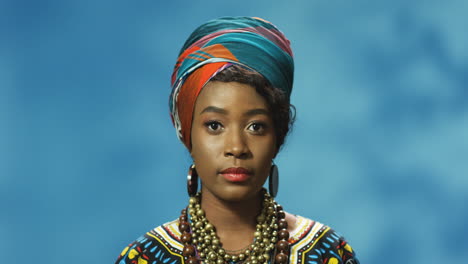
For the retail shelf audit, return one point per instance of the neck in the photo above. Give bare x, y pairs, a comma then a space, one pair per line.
235, 222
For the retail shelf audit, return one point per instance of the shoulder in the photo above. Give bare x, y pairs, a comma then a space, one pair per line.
314, 243
159, 245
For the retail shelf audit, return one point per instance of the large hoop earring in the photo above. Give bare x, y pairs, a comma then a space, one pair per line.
192, 181
273, 181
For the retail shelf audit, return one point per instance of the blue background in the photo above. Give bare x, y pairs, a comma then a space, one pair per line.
90, 160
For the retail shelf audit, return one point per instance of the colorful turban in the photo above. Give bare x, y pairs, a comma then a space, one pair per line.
250, 42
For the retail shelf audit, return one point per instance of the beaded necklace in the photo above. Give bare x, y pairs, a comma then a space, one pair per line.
202, 244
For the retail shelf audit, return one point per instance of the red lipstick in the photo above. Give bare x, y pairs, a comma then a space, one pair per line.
236, 174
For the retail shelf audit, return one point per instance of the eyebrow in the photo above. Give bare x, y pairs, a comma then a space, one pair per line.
252, 112
257, 111
214, 109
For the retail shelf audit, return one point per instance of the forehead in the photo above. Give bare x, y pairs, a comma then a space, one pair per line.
233, 95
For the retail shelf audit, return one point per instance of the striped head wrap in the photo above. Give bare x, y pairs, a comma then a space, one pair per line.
250, 42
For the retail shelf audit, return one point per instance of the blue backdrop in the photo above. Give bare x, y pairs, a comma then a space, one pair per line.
89, 159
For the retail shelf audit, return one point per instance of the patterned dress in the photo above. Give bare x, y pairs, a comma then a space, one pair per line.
310, 243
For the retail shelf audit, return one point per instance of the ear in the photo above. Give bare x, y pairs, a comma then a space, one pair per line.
277, 150
274, 156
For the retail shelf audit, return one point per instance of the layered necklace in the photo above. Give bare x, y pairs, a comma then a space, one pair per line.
201, 244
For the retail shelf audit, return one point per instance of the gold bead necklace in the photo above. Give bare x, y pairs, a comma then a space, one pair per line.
202, 244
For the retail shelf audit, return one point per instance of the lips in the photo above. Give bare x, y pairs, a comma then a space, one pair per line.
238, 174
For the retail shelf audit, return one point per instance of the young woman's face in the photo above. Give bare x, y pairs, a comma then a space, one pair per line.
233, 140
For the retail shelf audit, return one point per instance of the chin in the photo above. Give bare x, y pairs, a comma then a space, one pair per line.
237, 193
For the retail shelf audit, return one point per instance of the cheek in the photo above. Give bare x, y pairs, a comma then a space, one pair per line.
265, 152
204, 147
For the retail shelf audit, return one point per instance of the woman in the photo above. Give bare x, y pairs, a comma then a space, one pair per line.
230, 107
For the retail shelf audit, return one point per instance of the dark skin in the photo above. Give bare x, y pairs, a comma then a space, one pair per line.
232, 127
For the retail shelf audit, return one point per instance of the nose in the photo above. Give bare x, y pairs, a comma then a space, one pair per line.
236, 145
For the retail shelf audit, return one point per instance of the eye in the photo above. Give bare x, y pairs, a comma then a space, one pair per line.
257, 127
213, 125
